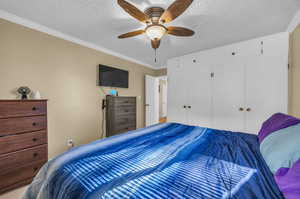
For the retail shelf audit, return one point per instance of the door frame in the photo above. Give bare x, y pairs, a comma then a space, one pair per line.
151, 118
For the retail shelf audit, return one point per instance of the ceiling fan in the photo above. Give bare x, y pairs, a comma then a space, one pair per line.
155, 19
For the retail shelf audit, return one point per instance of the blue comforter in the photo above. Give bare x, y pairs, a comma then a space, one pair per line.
162, 161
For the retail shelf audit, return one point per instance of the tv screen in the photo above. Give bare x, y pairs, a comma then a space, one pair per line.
112, 77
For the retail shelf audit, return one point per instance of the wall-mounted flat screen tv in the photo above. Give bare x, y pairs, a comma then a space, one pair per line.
112, 77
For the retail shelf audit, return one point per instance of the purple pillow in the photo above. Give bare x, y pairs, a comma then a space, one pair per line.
288, 181
276, 122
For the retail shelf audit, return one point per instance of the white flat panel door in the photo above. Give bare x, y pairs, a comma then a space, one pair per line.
199, 96
266, 80
177, 91
228, 93
152, 100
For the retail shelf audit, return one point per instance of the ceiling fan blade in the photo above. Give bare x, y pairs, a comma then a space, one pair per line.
131, 34
133, 11
180, 31
155, 43
175, 10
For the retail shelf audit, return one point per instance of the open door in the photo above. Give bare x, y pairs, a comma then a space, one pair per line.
152, 100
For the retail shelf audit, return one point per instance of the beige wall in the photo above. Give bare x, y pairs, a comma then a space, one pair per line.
66, 74
294, 73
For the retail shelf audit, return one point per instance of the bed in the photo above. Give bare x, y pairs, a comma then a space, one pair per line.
162, 161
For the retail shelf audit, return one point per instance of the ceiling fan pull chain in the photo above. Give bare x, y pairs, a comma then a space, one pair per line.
155, 60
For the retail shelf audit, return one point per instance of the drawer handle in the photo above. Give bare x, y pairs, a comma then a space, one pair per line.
35, 154
126, 102
34, 108
34, 139
126, 111
34, 124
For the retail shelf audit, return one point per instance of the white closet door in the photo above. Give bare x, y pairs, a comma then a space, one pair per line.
266, 80
228, 92
199, 96
176, 92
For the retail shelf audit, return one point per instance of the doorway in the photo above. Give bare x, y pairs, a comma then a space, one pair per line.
156, 99
163, 89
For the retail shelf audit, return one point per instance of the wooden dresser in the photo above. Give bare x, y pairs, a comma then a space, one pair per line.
120, 115
23, 141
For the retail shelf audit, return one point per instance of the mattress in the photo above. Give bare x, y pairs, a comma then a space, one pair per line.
162, 161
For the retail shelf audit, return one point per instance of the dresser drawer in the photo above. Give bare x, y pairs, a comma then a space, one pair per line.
124, 127
130, 120
124, 111
124, 100
124, 106
16, 185
124, 130
25, 173
11, 126
21, 141
22, 108
17, 159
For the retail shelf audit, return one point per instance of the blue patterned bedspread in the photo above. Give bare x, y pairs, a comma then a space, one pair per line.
162, 161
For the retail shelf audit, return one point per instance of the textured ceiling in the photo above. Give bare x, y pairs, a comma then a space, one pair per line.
216, 23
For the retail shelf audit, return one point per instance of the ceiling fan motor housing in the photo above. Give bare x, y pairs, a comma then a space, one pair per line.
154, 13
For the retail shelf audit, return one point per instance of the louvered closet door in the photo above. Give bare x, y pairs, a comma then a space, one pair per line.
177, 92
266, 80
228, 92
199, 95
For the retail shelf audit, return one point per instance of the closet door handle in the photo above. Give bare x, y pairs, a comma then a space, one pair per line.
241, 109
248, 109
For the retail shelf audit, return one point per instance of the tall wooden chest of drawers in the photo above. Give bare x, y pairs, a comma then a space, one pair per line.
23, 141
120, 114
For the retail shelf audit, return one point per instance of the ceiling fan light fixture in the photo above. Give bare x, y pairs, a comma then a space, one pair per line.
156, 31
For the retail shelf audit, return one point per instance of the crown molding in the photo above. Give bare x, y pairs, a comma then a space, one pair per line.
294, 23
41, 28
